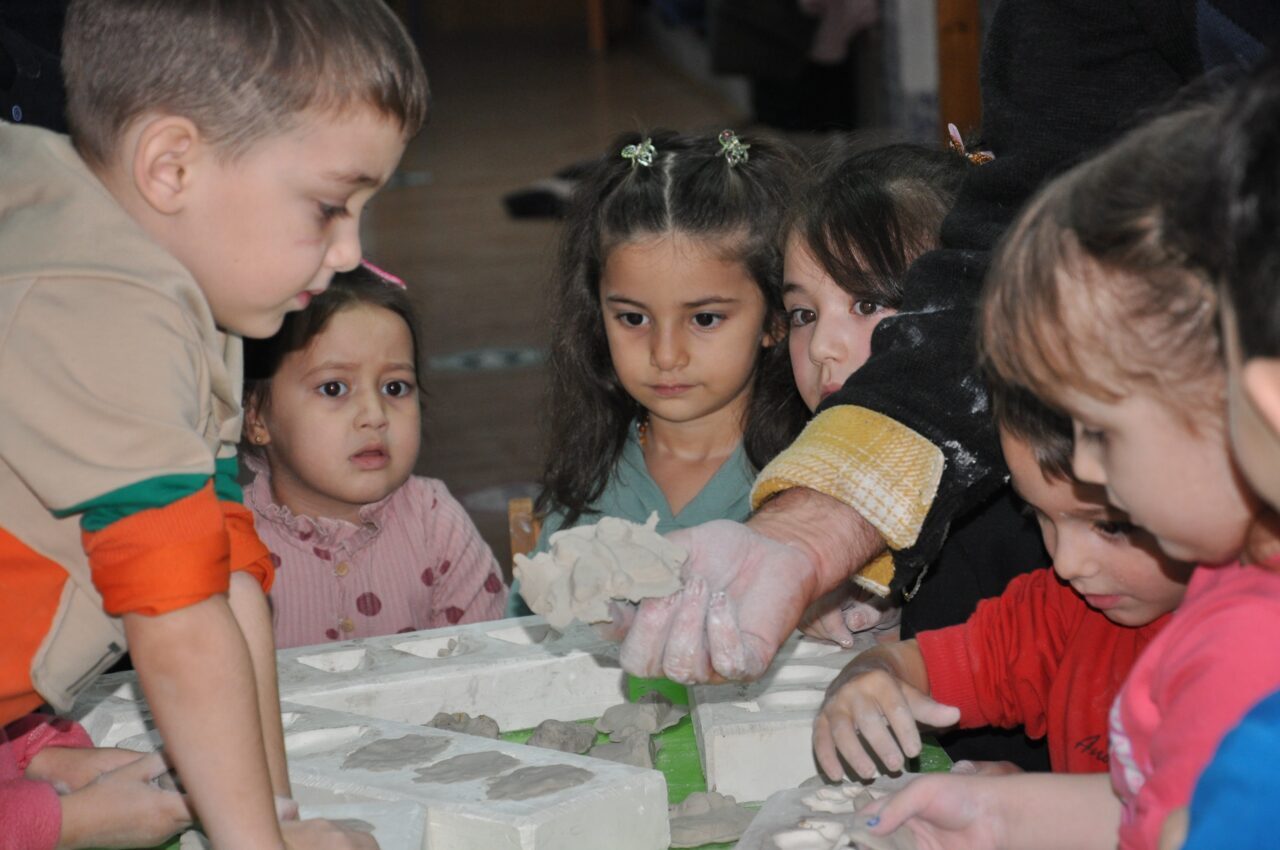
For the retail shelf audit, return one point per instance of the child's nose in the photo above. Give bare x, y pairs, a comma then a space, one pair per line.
1072, 558
667, 350
825, 345
344, 251
372, 412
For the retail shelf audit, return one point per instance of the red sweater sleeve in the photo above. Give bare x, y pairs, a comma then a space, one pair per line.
999, 666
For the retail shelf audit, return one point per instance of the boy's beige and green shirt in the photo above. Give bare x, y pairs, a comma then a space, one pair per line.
118, 395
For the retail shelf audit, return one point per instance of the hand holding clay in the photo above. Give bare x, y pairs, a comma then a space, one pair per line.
590, 566
124, 808
743, 596
320, 834
867, 711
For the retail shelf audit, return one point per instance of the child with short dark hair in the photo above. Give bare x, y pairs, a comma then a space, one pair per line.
1048, 654
220, 157
333, 426
1097, 305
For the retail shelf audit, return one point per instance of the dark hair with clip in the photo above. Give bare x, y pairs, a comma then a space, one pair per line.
360, 286
692, 189
866, 215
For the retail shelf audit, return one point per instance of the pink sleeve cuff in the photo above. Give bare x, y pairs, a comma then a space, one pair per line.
33, 733
30, 815
951, 679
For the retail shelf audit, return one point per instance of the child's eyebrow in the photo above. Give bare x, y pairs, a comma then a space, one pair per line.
708, 301
353, 178
787, 286
330, 366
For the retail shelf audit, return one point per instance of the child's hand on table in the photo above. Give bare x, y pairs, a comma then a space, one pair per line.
319, 834
71, 768
123, 807
868, 707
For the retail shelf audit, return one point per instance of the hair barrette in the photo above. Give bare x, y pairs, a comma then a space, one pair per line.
640, 154
732, 148
385, 277
956, 143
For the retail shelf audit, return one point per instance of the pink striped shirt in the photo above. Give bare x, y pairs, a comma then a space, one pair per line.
416, 561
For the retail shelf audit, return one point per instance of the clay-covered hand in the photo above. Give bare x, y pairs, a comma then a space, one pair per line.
868, 710
743, 596
825, 618
124, 808
71, 768
320, 834
941, 811
848, 610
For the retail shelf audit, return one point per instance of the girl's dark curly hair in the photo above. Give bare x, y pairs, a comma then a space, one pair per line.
691, 189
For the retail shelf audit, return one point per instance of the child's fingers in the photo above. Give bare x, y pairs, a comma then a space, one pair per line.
852, 750
685, 660
880, 736
145, 769
824, 749
888, 813
930, 712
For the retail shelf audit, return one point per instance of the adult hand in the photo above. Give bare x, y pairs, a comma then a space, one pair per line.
746, 588
124, 808
320, 834
743, 596
869, 712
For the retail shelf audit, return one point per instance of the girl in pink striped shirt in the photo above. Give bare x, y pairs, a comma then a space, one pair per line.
362, 546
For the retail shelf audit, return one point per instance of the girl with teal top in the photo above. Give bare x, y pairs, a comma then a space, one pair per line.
669, 390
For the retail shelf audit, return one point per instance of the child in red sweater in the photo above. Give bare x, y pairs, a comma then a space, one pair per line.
1049, 654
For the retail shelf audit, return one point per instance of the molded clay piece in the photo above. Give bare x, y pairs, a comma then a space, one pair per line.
706, 817
529, 782
636, 749
459, 721
562, 736
588, 565
396, 753
649, 714
466, 767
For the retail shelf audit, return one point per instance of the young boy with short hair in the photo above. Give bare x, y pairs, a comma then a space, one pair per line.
221, 154
1049, 654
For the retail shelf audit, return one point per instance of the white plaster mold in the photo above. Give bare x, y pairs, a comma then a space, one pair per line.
476, 793
754, 739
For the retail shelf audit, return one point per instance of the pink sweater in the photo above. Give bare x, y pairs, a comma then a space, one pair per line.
1216, 658
30, 813
415, 562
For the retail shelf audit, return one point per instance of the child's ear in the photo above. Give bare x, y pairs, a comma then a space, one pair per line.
775, 333
166, 149
255, 429
1260, 380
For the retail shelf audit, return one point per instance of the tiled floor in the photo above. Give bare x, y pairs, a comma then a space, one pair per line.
508, 109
